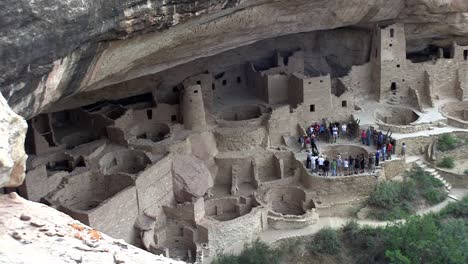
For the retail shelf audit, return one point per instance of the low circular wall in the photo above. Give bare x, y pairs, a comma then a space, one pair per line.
289, 208
397, 116
332, 151
154, 132
400, 120
229, 208
454, 112
124, 161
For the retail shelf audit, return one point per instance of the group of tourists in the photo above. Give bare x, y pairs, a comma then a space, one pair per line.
385, 145
338, 166
325, 131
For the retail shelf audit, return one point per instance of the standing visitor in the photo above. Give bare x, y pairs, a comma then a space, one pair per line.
309, 160
363, 137
357, 165
384, 152
313, 163
335, 133
345, 167
321, 162
403, 150
343, 130
333, 167
389, 150
307, 143
369, 136
326, 166
371, 163
301, 140
377, 157
351, 164
339, 165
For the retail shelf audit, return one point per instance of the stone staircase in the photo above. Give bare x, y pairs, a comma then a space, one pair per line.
434, 174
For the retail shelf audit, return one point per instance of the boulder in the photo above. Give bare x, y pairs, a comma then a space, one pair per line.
191, 178
12, 156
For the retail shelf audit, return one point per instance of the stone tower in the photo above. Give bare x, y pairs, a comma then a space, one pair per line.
388, 59
193, 109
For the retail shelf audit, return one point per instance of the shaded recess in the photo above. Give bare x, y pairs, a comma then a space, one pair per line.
238, 113
397, 116
124, 161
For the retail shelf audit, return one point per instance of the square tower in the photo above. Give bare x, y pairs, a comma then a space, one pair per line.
388, 58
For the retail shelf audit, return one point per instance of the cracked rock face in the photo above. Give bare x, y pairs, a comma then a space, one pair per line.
12, 156
28, 228
54, 49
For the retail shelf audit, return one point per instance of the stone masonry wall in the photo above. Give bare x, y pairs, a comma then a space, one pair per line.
116, 216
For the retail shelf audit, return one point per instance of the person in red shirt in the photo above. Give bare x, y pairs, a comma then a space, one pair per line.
389, 150
364, 137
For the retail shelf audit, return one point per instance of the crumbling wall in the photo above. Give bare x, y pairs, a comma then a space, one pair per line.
155, 189
38, 183
116, 216
223, 234
240, 139
281, 125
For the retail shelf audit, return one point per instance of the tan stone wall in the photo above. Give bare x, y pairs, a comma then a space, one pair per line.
116, 216
222, 235
414, 146
193, 110
155, 189
239, 139
456, 180
339, 185
277, 92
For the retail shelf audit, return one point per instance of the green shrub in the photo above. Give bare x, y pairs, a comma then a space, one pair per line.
465, 172
385, 195
226, 259
351, 230
447, 142
326, 241
457, 210
434, 196
396, 257
257, 252
447, 162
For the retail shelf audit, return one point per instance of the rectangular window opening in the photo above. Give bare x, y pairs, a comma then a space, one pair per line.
312, 108
344, 104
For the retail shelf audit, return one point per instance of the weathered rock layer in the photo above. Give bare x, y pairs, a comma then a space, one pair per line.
59, 48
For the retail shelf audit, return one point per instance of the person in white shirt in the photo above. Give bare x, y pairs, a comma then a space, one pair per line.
343, 129
321, 161
334, 133
345, 166
313, 165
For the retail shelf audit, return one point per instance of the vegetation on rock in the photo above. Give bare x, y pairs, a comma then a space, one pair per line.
396, 200
432, 239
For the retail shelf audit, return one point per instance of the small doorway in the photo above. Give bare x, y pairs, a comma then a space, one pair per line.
393, 87
465, 54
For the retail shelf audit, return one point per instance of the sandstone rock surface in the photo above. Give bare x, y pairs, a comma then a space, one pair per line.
191, 178
12, 156
58, 238
54, 49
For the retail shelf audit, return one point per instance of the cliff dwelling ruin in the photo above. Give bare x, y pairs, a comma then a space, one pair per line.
193, 159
